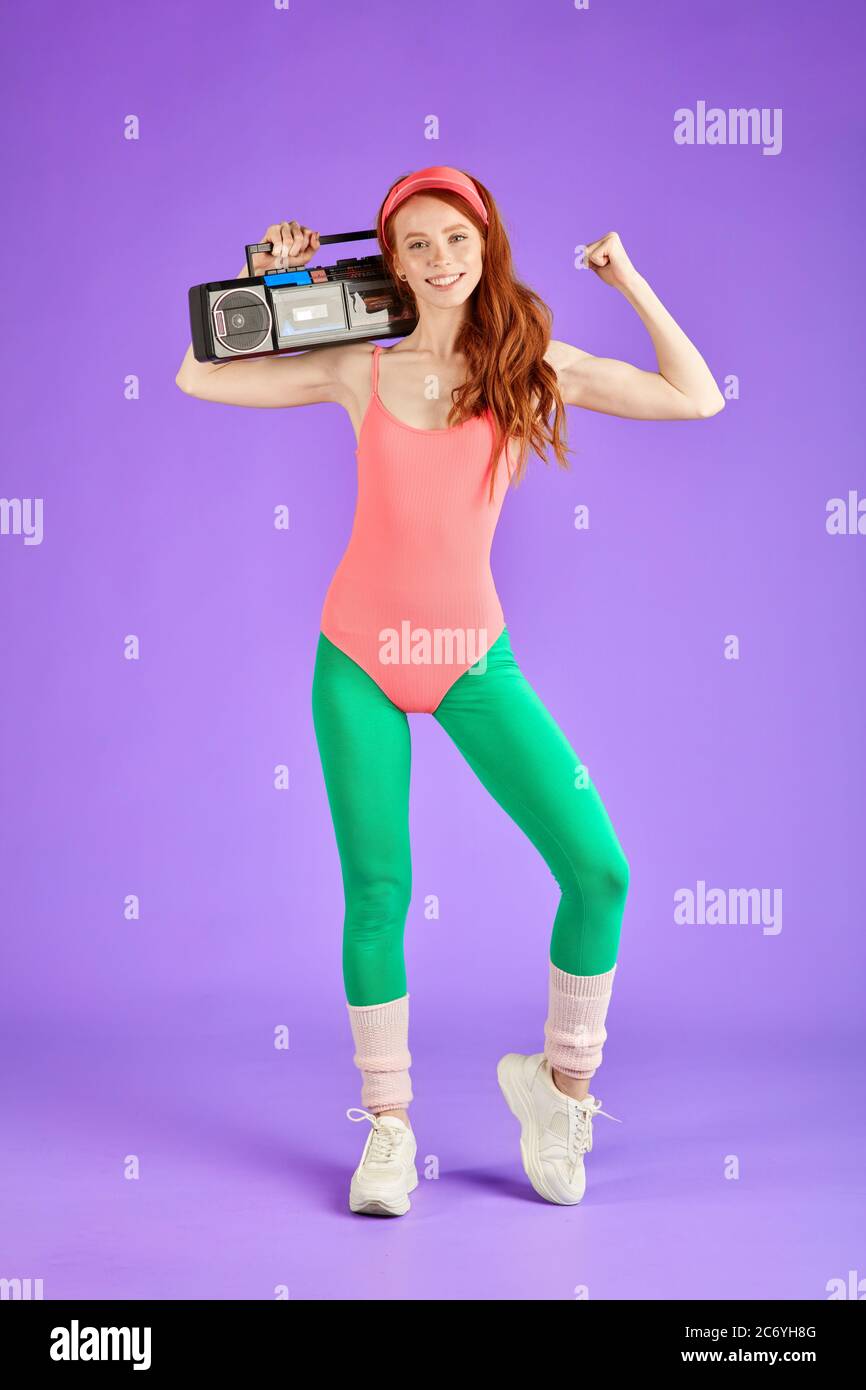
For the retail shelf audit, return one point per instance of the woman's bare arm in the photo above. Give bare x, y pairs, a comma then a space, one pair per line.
683, 388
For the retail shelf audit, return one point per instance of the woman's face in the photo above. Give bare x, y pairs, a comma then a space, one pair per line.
438, 250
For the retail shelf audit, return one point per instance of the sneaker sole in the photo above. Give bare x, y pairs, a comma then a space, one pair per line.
376, 1206
509, 1074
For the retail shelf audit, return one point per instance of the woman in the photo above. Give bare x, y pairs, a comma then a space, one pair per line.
412, 623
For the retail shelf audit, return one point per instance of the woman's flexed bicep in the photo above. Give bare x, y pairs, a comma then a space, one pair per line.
682, 387
613, 387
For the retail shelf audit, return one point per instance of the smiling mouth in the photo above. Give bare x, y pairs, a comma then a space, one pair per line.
444, 282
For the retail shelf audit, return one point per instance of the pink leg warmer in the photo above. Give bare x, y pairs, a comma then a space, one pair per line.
381, 1034
574, 1030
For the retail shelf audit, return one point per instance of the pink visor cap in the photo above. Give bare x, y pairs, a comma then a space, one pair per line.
436, 176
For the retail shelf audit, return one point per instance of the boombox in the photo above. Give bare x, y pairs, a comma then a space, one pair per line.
283, 310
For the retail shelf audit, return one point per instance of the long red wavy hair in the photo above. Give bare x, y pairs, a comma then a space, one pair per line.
503, 338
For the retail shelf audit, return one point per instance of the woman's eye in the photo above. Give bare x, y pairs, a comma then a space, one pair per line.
461, 236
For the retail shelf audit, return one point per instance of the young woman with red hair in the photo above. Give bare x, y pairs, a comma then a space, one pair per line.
411, 623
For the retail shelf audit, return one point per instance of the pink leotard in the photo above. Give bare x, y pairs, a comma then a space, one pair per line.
413, 601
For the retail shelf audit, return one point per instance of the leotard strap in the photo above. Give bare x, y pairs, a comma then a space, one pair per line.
375, 381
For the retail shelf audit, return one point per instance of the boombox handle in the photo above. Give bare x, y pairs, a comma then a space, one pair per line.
323, 241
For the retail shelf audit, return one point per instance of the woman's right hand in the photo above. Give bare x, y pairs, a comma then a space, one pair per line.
293, 245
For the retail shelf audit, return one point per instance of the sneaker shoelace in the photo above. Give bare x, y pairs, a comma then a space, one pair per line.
385, 1137
582, 1113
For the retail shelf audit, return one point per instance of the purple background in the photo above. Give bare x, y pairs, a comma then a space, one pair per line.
155, 777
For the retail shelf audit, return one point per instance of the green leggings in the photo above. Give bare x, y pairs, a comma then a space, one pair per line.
522, 757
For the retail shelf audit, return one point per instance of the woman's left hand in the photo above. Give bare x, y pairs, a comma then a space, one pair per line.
609, 259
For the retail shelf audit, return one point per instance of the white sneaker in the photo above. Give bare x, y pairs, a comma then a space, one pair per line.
386, 1174
555, 1131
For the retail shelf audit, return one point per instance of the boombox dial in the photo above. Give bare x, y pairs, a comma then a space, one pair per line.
242, 320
